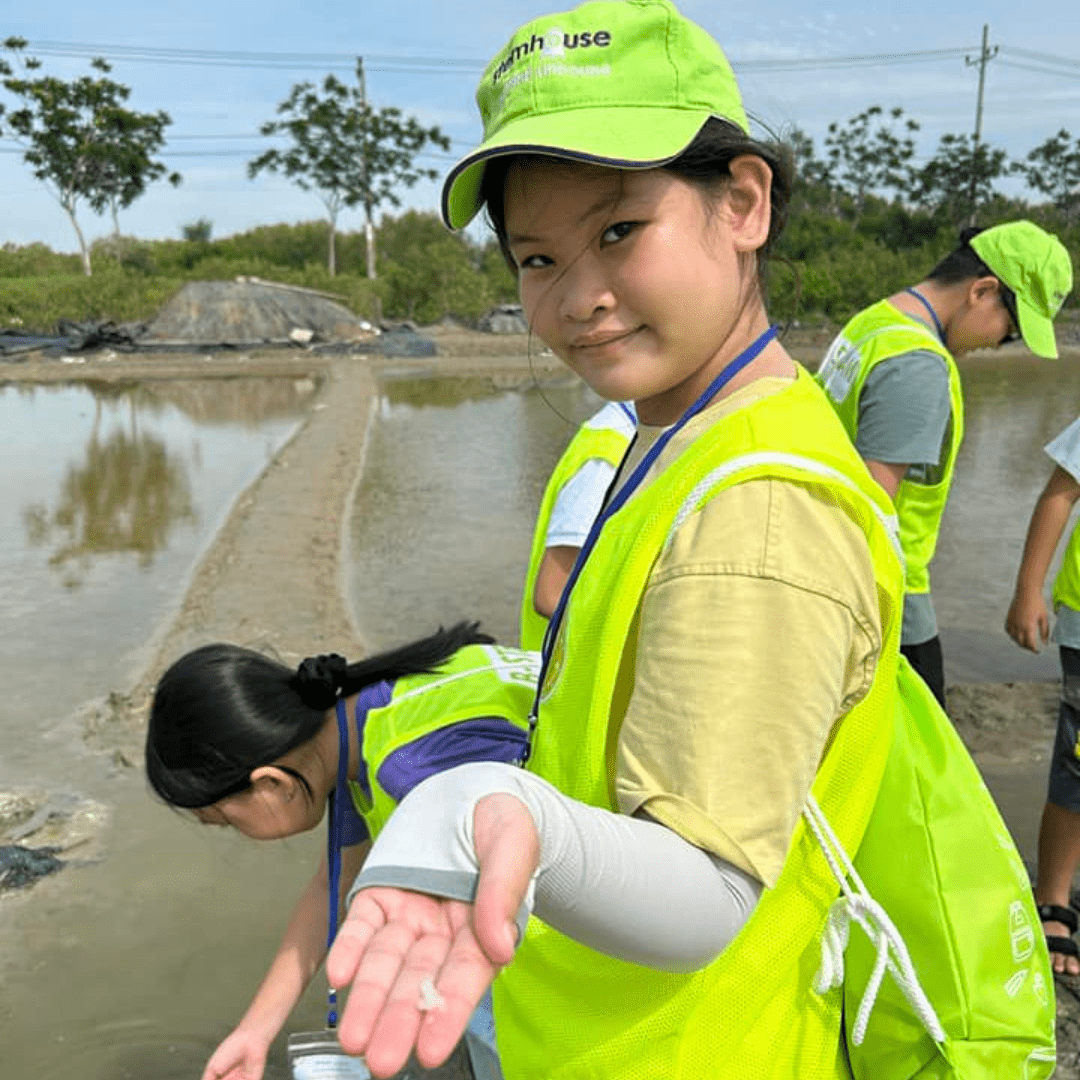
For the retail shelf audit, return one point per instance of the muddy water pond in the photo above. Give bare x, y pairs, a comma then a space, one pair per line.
443, 517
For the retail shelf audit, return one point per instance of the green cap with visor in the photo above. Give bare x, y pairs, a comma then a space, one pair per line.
1036, 266
624, 83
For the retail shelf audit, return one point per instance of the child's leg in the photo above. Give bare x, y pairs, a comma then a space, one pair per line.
1059, 833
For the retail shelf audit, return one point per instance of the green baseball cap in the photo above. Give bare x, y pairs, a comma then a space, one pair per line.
1036, 266
626, 83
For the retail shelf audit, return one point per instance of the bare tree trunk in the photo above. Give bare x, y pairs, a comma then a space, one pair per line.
369, 236
331, 247
84, 251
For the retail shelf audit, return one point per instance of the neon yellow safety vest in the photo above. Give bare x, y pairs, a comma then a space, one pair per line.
478, 680
608, 445
1067, 582
565, 1011
873, 336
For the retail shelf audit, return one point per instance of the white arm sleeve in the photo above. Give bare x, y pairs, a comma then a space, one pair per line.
625, 886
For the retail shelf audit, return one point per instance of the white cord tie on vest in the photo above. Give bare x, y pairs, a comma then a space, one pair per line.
857, 905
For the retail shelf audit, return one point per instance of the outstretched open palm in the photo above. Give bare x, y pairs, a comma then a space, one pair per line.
394, 945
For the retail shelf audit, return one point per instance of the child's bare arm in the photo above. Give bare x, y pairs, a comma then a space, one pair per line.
1028, 621
243, 1052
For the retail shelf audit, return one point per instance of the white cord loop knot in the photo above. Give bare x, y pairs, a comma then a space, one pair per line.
857, 905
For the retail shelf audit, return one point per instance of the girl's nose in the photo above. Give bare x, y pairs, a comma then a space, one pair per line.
584, 291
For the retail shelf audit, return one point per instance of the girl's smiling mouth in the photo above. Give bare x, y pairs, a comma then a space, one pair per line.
596, 342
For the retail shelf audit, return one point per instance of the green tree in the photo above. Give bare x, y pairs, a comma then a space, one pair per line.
125, 163
428, 272
79, 138
1053, 169
349, 153
862, 157
197, 232
812, 188
946, 183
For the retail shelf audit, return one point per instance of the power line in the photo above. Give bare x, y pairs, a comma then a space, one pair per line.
233, 58
1039, 70
167, 153
1046, 58
442, 65
868, 60
420, 64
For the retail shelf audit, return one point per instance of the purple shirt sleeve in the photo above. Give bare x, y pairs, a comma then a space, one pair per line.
485, 738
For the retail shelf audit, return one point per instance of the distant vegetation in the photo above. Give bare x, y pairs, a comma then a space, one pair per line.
424, 273
843, 259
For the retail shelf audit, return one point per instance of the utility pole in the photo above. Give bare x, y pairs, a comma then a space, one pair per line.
369, 228
986, 54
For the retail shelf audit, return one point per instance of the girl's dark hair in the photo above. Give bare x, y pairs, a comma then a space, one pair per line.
221, 711
705, 163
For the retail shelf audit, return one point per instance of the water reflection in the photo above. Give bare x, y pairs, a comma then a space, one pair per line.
108, 494
126, 495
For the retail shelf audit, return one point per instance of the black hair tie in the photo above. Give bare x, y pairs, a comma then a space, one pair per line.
320, 680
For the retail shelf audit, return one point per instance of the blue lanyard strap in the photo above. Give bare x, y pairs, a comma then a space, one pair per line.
933, 314
619, 500
333, 844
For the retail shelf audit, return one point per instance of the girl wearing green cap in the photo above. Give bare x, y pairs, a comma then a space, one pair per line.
726, 646
891, 373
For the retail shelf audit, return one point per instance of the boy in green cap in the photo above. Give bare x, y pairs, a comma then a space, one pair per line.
891, 374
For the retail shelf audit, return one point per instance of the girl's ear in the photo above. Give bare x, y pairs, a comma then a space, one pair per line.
274, 782
749, 199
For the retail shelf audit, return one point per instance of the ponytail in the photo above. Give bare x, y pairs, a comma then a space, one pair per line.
221, 711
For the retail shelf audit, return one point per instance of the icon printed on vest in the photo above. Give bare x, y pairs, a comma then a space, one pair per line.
840, 369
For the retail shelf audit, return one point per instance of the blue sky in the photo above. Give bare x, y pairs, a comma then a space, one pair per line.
216, 110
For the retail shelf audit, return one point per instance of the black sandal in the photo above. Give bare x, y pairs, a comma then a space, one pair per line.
1055, 943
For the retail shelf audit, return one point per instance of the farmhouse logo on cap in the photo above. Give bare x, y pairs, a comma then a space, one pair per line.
553, 43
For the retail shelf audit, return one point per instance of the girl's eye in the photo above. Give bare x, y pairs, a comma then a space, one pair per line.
534, 262
614, 233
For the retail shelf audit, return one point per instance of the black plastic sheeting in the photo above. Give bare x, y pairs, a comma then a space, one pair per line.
22, 866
